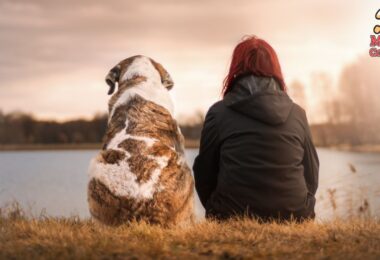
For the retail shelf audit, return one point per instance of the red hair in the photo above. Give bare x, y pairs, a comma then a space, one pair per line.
253, 56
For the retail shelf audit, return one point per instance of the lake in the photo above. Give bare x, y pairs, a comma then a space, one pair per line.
54, 182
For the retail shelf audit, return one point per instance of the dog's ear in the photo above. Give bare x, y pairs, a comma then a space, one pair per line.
112, 78
165, 76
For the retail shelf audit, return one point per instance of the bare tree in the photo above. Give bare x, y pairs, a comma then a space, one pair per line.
297, 93
323, 90
359, 86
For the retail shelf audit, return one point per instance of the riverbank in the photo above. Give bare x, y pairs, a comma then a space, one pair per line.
365, 148
72, 238
49, 147
189, 144
87, 146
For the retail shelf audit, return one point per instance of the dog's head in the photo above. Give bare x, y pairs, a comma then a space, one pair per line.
137, 66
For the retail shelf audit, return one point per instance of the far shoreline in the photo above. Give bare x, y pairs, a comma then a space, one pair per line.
189, 144
363, 148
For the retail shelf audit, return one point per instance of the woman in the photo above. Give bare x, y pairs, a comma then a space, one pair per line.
256, 156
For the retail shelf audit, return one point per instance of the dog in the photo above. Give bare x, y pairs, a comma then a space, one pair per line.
141, 173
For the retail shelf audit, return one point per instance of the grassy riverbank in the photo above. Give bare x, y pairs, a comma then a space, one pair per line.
69, 238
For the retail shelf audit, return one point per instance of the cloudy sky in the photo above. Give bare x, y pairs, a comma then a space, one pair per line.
54, 55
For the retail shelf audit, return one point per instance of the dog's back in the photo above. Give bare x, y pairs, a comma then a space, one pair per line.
141, 173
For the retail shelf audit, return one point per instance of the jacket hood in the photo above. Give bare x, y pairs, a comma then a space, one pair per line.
259, 98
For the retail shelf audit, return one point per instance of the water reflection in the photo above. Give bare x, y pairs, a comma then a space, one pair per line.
56, 181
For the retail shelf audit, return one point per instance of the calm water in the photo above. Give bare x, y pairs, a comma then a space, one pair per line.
55, 182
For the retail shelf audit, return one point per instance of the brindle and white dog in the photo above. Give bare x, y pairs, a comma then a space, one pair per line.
141, 173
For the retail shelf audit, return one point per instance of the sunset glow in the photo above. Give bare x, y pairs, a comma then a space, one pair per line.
54, 55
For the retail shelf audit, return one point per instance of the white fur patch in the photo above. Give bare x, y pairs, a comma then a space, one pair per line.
122, 182
141, 66
119, 179
151, 89
122, 136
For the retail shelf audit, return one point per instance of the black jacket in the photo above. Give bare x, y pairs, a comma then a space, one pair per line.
256, 155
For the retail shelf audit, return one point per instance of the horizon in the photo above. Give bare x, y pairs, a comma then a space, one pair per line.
55, 55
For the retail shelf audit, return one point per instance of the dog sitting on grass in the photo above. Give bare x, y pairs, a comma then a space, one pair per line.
141, 172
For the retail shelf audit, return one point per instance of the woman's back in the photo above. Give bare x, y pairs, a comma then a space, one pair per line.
256, 154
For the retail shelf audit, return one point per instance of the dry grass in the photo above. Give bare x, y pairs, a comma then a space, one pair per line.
62, 238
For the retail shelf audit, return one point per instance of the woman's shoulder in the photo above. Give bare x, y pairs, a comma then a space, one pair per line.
217, 107
215, 113
299, 111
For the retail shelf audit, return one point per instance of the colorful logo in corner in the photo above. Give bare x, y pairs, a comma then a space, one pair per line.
375, 39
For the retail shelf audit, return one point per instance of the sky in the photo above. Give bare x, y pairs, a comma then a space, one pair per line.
54, 55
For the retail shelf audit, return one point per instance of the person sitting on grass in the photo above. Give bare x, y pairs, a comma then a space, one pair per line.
256, 156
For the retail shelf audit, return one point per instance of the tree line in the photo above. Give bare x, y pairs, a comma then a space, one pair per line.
23, 128
350, 111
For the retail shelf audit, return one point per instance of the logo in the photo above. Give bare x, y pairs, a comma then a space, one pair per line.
375, 39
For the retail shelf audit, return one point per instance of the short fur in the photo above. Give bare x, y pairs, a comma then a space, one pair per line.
141, 173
